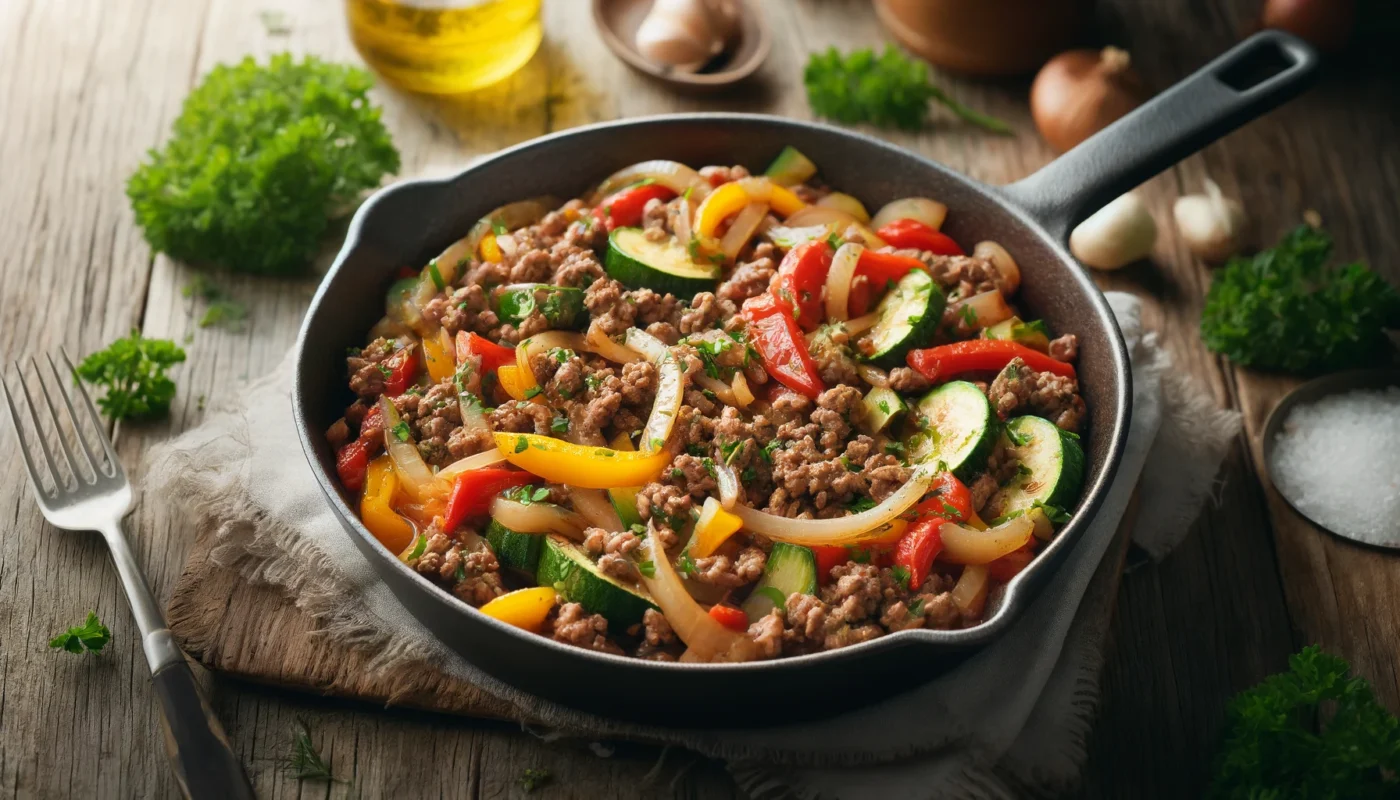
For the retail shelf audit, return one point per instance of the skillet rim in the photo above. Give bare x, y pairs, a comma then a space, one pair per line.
1018, 592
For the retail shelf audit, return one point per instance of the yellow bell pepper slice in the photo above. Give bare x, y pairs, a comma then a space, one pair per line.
438, 353
377, 509
509, 377
730, 198
712, 529
558, 461
523, 608
489, 250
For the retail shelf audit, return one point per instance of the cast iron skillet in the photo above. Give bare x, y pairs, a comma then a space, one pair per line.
410, 222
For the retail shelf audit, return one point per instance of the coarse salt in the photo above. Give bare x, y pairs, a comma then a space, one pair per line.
1338, 461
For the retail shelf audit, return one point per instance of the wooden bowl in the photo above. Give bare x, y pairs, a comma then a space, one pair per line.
986, 37
618, 20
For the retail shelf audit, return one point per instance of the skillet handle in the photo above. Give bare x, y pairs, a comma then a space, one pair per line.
1253, 77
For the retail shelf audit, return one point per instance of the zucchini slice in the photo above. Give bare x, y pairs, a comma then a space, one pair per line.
562, 306
1051, 474
790, 167
514, 551
1031, 334
909, 316
639, 263
956, 425
791, 569
881, 407
577, 579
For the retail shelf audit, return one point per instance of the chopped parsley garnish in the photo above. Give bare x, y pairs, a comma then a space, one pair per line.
767, 451
901, 574
89, 637
521, 444
647, 568
498, 228
402, 431
895, 449
860, 504
834, 241
657, 443
678, 474
916, 607
305, 761
709, 464
860, 555
749, 475
969, 316
686, 565
728, 450
436, 275
884, 406
562, 354
952, 512
559, 425
1018, 439
1057, 515
533, 391
532, 779
850, 465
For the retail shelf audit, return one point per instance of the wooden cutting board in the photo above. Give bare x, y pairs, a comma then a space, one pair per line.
257, 633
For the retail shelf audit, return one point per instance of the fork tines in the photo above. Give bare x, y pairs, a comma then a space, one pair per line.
63, 428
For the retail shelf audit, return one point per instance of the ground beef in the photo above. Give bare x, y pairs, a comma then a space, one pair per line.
521, 416
1065, 348
832, 353
722, 175
767, 633
659, 642
572, 625
960, 276
613, 551
908, 381
655, 216
838, 409
369, 368
474, 577
338, 433
1018, 389
702, 315
749, 278
610, 313
433, 418
665, 508
744, 568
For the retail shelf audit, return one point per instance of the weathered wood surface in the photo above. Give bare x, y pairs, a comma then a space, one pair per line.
88, 86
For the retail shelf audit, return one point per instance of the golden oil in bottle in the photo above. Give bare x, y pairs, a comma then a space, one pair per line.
445, 46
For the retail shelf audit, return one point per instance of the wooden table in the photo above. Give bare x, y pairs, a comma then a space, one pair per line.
88, 86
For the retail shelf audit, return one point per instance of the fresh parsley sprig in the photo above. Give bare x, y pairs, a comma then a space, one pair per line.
887, 90
133, 371
89, 637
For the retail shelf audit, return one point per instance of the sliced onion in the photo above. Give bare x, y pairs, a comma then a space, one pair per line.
864, 234
743, 395
788, 237
728, 481
963, 545
684, 210
930, 212
821, 215
485, 458
989, 308
670, 388
873, 375
970, 592
863, 323
742, 229
508, 244
706, 638
1002, 260
722, 390
672, 174
839, 530
846, 203
595, 507
604, 345
449, 263
538, 518
838, 281
543, 343
414, 474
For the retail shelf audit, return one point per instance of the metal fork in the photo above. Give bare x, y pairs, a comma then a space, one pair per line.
97, 500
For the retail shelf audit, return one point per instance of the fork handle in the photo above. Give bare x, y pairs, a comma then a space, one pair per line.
204, 763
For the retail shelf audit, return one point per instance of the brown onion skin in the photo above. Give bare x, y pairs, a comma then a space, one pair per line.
1079, 92
1325, 24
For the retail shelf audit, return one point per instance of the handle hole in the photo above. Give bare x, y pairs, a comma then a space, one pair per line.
1256, 67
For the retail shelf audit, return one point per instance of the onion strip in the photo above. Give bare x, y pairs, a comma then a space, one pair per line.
988, 308
722, 390
728, 481
485, 458
670, 388
601, 343
873, 375
543, 343
839, 530
742, 229
838, 281
595, 507
743, 395
964, 545
930, 212
414, 474
538, 518
672, 174
1004, 263
706, 638
861, 324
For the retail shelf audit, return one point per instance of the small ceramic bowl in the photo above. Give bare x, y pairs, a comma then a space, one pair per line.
618, 21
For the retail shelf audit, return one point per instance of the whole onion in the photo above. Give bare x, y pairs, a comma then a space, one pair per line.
1326, 24
1079, 92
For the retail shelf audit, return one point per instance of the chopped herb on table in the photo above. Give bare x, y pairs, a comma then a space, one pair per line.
888, 90
1285, 309
89, 637
259, 160
532, 779
221, 310
305, 761
1272, 749
133, 371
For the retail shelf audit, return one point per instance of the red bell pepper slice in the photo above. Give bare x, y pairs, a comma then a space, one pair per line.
828, 557
730, 617
474, 490
914, 235
624, 208
492, 355
801, 276
372, 425
351, 463
1011, 564
950, 499
918, 547
780, 345
981, 355
881, 268
403, 368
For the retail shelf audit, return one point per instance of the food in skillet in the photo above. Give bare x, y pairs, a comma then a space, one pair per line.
713, 416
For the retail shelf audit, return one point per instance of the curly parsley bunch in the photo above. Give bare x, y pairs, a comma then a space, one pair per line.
260, 158
1285, 309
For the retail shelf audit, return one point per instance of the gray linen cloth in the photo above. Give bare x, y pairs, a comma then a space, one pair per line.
1012, 719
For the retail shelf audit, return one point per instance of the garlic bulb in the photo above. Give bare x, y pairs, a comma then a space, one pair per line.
680, 34
1209, 223
1116, 235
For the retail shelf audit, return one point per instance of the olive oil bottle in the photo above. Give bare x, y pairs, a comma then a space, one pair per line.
445, 46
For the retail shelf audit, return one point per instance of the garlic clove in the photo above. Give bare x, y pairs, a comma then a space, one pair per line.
1209, 223
1116, 235
678, 34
